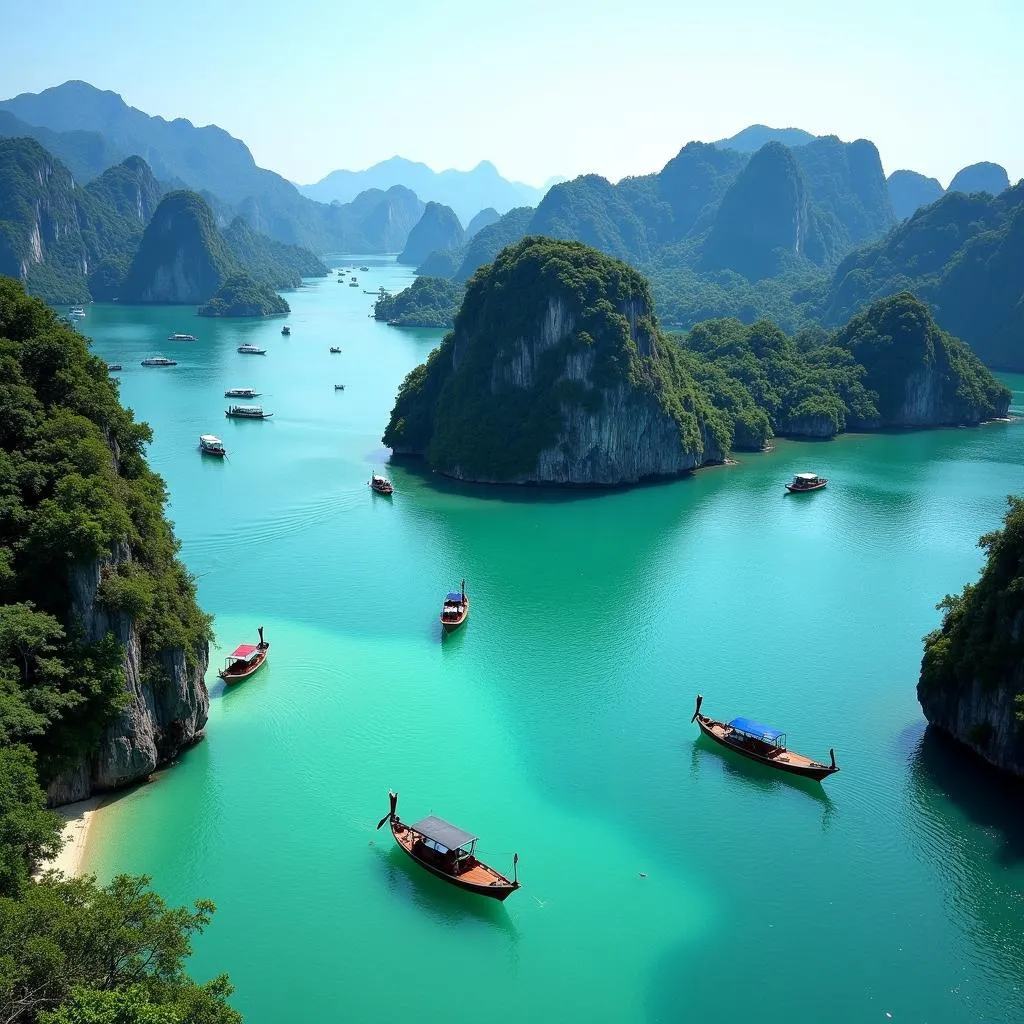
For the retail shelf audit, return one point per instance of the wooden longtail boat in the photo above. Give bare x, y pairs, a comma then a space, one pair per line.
455, 609
244, 660
448, 852
806, 482
763, 744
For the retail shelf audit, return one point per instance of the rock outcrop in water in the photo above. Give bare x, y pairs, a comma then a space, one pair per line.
556, 373
972, 673
438, 228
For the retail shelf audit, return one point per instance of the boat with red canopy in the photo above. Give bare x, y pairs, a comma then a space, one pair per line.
244, 660
455, 609
449, 853
763, 744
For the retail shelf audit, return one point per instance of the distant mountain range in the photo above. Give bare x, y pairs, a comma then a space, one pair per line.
751, 139
466, 192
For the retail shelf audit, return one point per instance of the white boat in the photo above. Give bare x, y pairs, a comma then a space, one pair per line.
211, 445
159, 361
182, 337
251, 350
77, 312
241, 393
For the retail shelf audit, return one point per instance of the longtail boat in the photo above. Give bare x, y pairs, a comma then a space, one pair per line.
450, 853
244, 660
806, 482
763, 744
378, 483
455, 609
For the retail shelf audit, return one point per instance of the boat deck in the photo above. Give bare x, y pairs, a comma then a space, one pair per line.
724, 734
479, 874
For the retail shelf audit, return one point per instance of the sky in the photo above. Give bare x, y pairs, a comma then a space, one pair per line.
543, 87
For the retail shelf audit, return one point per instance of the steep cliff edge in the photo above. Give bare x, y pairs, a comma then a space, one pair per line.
972, 672
556, 372
102, 645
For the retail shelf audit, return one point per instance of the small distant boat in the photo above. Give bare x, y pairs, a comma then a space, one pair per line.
455, 609
339, 387
251, 350
286, 330
353, 277
353, 283
159, 361
182, 337
806, 482
77, 312
242, 393
341, 280
380, 484
335, 349
449, 853
365, 292
210, 445
113, 367
244, 660
364, 269
763, 744
247, 412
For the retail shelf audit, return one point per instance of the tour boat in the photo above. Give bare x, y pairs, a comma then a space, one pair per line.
182, 337
763, 744
286, 330
806, 482
251, 350
353, 283
242, 393
455, 609
111, 367
335, 349
381, 484
210, 445
247, 412
339, 387
449, 853
77, 312
159, 361
244, 660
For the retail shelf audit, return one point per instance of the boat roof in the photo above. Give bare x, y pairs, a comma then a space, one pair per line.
443, 832
209, 438
756, 729
806, 476
245, 652
455, 596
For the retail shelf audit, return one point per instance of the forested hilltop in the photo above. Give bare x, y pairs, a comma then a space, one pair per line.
557, 372
102, 655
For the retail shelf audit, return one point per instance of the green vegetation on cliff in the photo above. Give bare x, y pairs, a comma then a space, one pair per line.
240, 295
438, 228
75, 492
271, 262
427, 302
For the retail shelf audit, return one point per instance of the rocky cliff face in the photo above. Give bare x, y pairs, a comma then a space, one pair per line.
438, 228
556, 373
161, 718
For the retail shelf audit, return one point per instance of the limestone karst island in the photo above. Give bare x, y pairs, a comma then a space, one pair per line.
495, 531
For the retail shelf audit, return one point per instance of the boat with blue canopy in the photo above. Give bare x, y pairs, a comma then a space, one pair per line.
762, 743
455, 609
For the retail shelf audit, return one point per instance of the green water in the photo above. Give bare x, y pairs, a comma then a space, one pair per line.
662, 879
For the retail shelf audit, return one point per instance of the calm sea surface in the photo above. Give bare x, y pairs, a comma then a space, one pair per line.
663, 880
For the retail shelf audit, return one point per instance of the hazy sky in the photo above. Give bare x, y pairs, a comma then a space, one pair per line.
544, 88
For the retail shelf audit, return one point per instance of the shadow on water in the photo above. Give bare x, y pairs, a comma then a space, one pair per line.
752, 774
416, 468
443, 902
989, 798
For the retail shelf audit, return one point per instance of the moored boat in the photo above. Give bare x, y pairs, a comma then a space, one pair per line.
242, 393
364, 269
159, 361
763, 744
806, 482
211, 445
378, 483
182, 337
244, 660
455, 609
353, 283
339, 387
247, 412
251, 350
449, 853
286, 330
113, 367
335, 349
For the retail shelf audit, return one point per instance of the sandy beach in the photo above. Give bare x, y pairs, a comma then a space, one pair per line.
77, 819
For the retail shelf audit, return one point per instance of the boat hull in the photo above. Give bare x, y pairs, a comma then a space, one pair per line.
803, 490
804, 767
499, 890
231, 676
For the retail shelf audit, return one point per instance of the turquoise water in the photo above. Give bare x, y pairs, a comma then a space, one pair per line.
662, 879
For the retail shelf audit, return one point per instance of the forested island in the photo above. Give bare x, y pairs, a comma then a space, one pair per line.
972, 673
102, 654
427, 302
240, 295
557, 372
